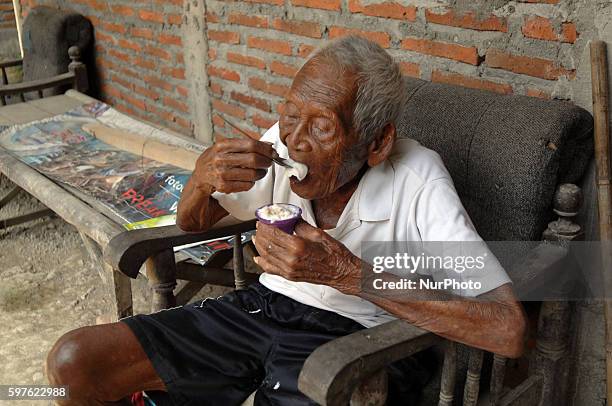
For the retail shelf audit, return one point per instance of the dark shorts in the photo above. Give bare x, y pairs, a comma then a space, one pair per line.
218, 351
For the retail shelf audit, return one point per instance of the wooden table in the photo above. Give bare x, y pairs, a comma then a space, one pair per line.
94, 224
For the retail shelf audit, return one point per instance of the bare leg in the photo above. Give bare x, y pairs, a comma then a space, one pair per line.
101, 365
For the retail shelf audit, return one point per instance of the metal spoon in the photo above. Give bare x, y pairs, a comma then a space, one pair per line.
275, 158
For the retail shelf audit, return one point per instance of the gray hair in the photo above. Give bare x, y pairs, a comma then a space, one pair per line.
380, 91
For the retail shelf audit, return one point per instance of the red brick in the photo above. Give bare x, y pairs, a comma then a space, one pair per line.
387, 9
466, 81
169, 39
175, 104
142, 32
218, 121
122, 10
283, 69
224, 36
183, 91
183, 123
212, 53
251, 101
250, 21
278, 47
177, 73
212, 18
126, 110
230, 109
271, 88
304, 28
145, 63
541, 94
381, 38
252, 134
119, 55
130, 73
149, 94
157, 82
246, 60
157, 52
305, 50
333, 5
95, 4
216, 88
180, 59
468, 20
123, 43
125, 83
114, 28
539, 28
537, 67
134, 102
569, 33
410, 69
443, 50
175, 19
262, 122
101, 37
273, 2
153, 16
222, 73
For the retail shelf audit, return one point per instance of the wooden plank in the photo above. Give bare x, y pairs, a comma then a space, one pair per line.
67, 206
56, 104
25, 87
526, 394
21, 113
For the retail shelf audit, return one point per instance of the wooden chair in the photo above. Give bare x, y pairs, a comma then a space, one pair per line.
515, 162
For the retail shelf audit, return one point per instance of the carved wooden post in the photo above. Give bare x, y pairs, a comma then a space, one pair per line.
161, 272
553, 325
497, 378
449, 375
239, 278
472, 381
79, 69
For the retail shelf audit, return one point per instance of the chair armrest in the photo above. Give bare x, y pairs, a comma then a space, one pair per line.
40, 84
127, 251
12, 62
335, 369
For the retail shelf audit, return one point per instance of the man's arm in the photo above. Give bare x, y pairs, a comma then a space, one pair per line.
493, 321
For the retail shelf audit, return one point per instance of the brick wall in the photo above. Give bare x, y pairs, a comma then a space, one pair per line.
138, 56
256, 46
526, 47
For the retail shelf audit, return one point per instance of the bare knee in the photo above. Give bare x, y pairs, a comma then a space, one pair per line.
72, 362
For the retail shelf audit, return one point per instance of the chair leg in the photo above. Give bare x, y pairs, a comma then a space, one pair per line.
119, 288
161, 272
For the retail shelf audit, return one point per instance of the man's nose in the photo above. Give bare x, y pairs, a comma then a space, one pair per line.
297, 139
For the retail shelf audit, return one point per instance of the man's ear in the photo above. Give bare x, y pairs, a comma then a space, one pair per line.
380, 149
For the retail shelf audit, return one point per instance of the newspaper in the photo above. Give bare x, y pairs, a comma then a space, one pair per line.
139, 192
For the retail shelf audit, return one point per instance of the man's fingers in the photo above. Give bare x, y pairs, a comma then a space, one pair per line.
246, 160
272, 234
268, 267
308, 232
227, 186
245, 145
243, 174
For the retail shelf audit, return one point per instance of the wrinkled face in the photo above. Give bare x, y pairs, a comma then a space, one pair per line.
315, 125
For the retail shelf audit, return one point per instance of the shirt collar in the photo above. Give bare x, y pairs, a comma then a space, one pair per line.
376, 194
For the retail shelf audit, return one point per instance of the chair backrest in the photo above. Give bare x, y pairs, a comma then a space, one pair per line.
47, 35
506, 154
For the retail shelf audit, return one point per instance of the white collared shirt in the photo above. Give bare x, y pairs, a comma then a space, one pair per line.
409, 197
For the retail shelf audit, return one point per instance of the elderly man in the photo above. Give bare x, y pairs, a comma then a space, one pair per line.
362, 184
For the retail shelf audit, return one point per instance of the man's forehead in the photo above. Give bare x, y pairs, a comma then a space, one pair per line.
322, 83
